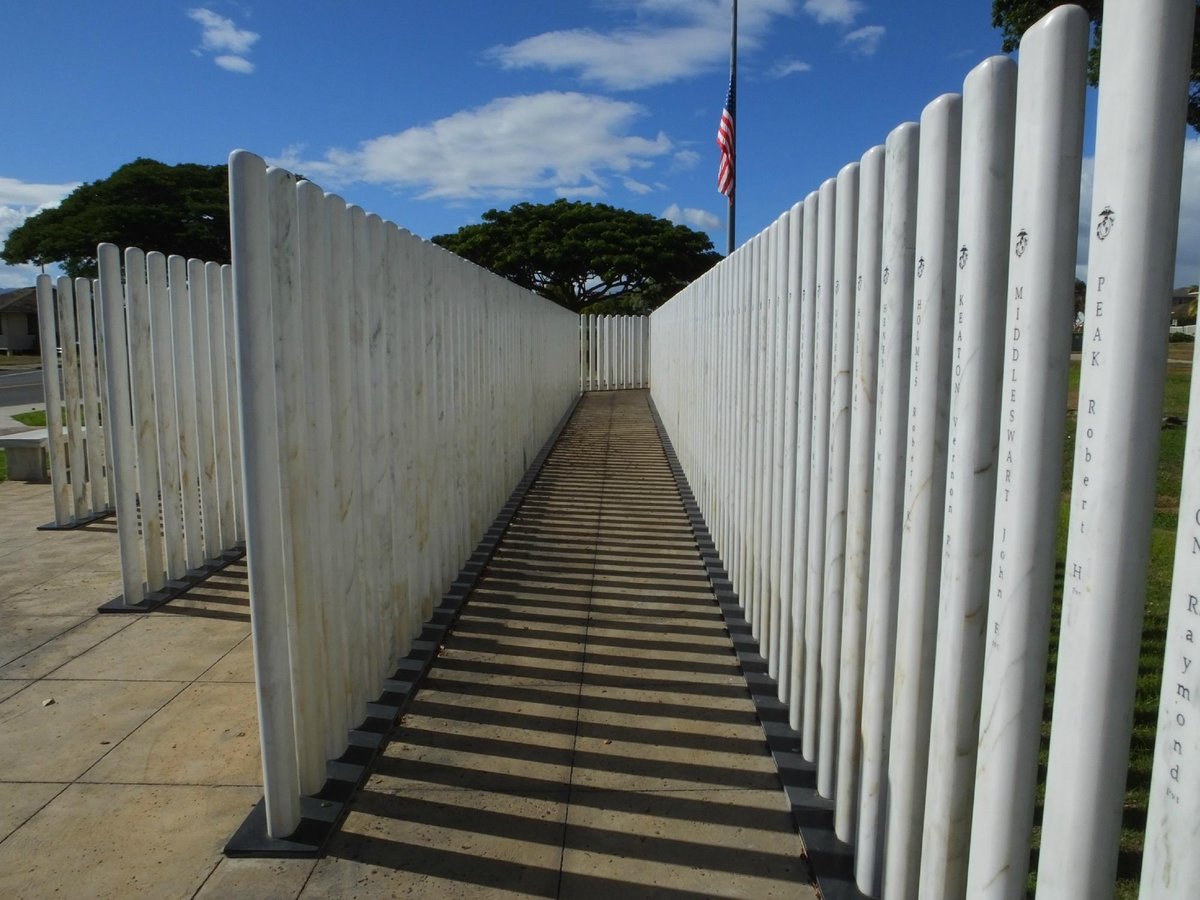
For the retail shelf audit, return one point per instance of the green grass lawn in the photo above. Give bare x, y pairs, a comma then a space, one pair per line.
34, 419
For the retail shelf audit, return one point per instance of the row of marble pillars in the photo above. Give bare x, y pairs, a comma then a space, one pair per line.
878, 455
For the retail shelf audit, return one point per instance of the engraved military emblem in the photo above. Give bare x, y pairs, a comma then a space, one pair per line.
1105, 224
886, 272
962, 257
921, 267
1022, 242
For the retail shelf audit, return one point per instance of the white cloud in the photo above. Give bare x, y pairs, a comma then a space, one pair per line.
235, 64
220, 36
685, 159
580, 190
1187, 253
18, 201
29, 194
637, 187
507, 148
787, 67
18, 276
865, 41
650, 53
827, 12
701, 219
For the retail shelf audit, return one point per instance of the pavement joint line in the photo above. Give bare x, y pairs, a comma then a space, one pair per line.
115, 744
61, 634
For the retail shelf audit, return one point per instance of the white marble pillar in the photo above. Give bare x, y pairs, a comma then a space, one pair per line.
205, 449
1041, 271
222, 452
791, 405
97, 492
759, 433
841, 368
102, 388
985, 199
804, 412
858, 488
924, 489
818, 465
123, 475
141, 378
162, 351
251, 251
1170, 864
185, 411
784, 395
757, 411
1140, 128
72, 396
49, 338
235, 434
294, 311
891, 422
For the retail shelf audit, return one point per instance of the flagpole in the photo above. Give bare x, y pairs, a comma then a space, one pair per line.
729, 243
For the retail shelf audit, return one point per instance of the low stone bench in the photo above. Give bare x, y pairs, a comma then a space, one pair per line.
28, 459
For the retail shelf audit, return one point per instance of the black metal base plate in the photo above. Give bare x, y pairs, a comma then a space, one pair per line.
173, 589
79, 523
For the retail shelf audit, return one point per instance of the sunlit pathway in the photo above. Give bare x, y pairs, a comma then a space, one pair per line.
586, 731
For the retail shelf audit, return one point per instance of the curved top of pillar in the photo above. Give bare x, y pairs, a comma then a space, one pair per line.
993, 68
1061, 18
946, 104
904, 133
875, 152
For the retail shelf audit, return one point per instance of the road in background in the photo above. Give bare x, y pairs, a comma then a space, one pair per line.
22, 388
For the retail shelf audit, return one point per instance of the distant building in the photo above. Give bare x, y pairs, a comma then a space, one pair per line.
1183, 305
19, 321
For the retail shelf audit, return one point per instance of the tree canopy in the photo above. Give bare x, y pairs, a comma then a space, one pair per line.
1013, 17
587, 257
180, 209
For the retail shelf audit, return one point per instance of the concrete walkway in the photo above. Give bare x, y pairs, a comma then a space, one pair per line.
585, 731
9, 425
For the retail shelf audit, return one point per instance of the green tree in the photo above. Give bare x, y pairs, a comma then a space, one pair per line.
587, 257
1013, 17
180, 209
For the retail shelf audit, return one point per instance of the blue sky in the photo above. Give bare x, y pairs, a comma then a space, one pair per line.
431, 113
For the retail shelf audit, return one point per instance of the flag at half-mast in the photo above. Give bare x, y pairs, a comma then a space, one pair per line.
725, 142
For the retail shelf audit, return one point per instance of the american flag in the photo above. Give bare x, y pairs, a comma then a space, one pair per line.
725, 142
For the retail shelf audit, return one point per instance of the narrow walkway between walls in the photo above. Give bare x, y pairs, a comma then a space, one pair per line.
586, 731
